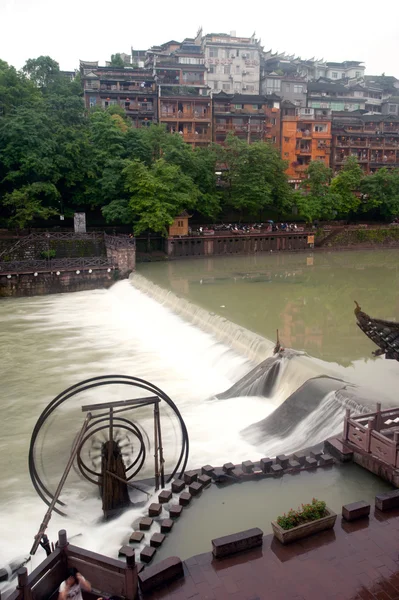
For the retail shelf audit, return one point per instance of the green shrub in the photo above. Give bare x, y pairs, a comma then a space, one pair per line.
308, 512
47, 254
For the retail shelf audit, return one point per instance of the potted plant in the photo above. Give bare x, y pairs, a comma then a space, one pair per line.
297, 524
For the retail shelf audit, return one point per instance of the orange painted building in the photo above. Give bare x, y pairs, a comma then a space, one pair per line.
305, 137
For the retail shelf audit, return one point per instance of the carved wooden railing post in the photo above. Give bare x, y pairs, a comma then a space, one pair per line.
62, 539
131, 580
22, 574
378, 418
395, 453
346, 423
370, 427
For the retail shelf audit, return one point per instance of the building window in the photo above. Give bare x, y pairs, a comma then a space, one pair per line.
335, 75
238, 106
274, 139
226, 69
287, 87
320, 158
212, 69
226, 86
286, 140
251, 88
342, 75
286, 154
273, 120
393, 108
320, 128
213, 52
308, 111
180, 223
297, 89
358, 74
238, 68
92, 101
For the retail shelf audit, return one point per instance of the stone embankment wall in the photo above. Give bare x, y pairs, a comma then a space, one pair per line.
236, 244
29, 284
365, 238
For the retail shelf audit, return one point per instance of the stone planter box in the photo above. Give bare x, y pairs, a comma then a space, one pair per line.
286, 536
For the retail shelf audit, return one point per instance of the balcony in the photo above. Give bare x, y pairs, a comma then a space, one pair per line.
304, 151
197, 137
304, 135
185, 115
391, 128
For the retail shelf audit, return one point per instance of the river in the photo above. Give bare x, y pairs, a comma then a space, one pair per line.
193, 328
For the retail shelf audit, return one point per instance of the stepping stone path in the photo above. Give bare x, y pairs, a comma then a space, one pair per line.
185, 498
190, 477
145, 523
247, 466
167, 525
165, 496
136, 537
175, 511
195, 488
204, 480
157, 540
147, 554
124, 551
178, 486
154, 510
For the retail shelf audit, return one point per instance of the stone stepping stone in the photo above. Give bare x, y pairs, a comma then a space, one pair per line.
311, 462
265, 464
157, 540
227, 467
178, 486
326, 459
185, 498
136, 537
204, 480
147, 554
282, 460
154, 510
195, 488
276, 469
167, 525
294, 465
356, 510
175, 511
237, 472
207, 470
164, 496
190, 477
316, 455
301, 458
145, 523
247, 466
125, 551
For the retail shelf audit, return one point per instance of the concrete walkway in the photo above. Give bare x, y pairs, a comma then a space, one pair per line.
354, 561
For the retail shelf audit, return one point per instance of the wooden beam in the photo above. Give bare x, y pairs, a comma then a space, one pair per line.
132, 402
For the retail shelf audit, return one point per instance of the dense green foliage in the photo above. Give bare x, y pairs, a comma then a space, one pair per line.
305, 514
56, 158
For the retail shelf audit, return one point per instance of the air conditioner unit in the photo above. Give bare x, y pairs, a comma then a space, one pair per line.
244, 87
245, 72
233, 56
244, 55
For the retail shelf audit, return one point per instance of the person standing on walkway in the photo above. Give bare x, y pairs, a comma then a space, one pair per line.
71, 588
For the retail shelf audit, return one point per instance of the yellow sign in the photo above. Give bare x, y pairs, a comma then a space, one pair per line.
309, 261
310, 239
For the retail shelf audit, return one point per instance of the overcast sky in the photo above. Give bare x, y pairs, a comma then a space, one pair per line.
93, 30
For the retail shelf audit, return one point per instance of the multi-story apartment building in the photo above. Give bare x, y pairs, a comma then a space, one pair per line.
232, 63
132, 89
349, 69
305, 136
288, 87
186, 114
372, 139
335, 96
252, 118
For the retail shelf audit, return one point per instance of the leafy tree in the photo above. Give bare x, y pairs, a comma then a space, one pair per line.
43, 71
15, 89
255, 176
26, 203
158, 194
382, 191
345, 185
117, 61
316, 200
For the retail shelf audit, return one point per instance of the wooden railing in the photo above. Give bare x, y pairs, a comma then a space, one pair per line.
107, 576
365, 432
